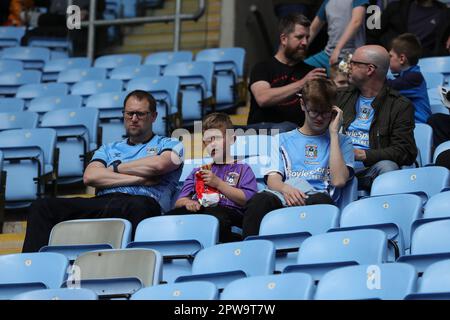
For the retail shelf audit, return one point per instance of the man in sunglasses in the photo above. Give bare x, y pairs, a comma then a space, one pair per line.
135, 178
378, 119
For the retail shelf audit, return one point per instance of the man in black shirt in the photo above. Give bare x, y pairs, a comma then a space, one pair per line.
275, 83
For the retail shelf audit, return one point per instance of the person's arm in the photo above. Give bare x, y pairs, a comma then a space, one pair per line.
191, 205
185, 196
339, 173
358, 15
293, 196
315, 28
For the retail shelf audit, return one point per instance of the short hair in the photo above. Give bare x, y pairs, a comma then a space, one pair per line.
322, 93
409, 45
287, 23
142, 95
217, 120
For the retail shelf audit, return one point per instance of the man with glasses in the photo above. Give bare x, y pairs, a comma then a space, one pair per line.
308, 163
378, 119
135, 178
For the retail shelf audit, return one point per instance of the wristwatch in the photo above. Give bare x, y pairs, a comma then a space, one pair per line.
115, 165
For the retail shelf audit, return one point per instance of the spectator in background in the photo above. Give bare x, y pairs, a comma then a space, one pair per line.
409, 81
339, 76
15, 10
346, 31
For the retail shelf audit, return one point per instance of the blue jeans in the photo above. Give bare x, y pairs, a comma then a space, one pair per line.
366, 176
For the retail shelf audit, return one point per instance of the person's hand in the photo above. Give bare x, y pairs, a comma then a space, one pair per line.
334, 58
210, 179
360, 155
447, 44
317, 73
337, 119
293, 196
192, 206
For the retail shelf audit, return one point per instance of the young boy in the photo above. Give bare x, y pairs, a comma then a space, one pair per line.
405, 53
339, 76
221, 188
308, 162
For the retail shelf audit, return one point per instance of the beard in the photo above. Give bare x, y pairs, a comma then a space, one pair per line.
295, 54
134, 133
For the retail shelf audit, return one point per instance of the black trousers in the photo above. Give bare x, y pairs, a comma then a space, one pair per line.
443, 159
227, 218
262, 203
44, 214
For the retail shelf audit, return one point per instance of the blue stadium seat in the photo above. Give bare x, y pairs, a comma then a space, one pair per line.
11, 81
165, 58
253, 145
390, 281
11, 105
435, 64
426, 182
127, 73
29, 160
117, 60
294, 286
227, 262
10, 65
392, 214
288, 228
119, 273
433, 79
77, 137
196, 84
423, 134
74, 237
25, 272
50, 103
430, 243
71, 76
35, 90
57, 44
440, 148
438, 107
436, 208
53, 67
434, 284
58, 294
32, 58
88, 88
178, 239
259, 166
347, 194
321, 253
11, 36
195, 290
18, 120
54, 55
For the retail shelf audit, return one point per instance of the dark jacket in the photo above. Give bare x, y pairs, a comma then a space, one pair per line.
391, 134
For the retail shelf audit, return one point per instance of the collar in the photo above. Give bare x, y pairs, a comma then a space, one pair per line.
144, 142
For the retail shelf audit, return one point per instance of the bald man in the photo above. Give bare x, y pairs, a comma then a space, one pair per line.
378, 119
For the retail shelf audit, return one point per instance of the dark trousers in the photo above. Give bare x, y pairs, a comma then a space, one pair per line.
227, 218
44, 214
262, 203
443, 159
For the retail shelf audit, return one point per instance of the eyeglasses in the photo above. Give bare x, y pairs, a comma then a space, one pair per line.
130, 114
352, 62
315, 114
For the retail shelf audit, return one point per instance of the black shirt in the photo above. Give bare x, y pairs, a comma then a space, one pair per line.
278, 75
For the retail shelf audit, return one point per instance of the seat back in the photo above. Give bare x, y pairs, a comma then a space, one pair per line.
71, 76
117, 60
18, 120
423, 134
58, 294
30, 91
58, 65
162, 59
11, 105
127, 73
224, 59
252, 145
433, 79
438, 206
200, 73
32, 58
436, 278
431, 237
11, 81
441, 148
87, 88
10, 65
435, 64
11, 36
195, 290
55, 102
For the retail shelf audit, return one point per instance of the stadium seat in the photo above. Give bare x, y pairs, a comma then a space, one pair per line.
88, 88
253, 145
71, 76
31, 91
321, 253
54, 55
178, 239
74, 237
25, 272
29, 160
438, 107
434, 284
113, 61
77, 138
440, 148
11, 36
433, 79
227, 262
53, 67
165, 58
288, 228
390, 281
11, 105
425, 182
349, 193
195, 290
50, 103
436, 208
58, 294
11, 81
10, 65
18, 120
32, 58
435, 64
294, 286
56, 44
119, 273
127, 73
259, 166
423, 134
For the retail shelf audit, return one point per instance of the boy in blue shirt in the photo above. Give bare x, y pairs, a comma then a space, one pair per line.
404, 56
308, 163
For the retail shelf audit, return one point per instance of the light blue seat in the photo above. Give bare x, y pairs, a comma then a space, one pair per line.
90, 87
423, 134
435, 64
165, 90
127, 73
178, 239
55, 44
434, 284
119, 273
195, 290
196, 85
32, 58
440, 148
165, 58
113, 61
53, 67
58, 294
324, 252
10, 65
74, 237
390, 281
11, 105
227, 262
253, 145
55, 102
438, 107
293, 286
24, 272
11, 36
11, 81
436, 208
77, 137
71, 76
426, 182
228, 69
433, 79
31, 91
54, 55
430, 243
347, 194
29, 160
259, 166
18, 120
433, 96
289, 227
393, 214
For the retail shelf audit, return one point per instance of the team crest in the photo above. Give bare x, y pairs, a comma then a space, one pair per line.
311, 151
365, 113
152, 151
232, 178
